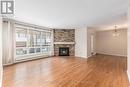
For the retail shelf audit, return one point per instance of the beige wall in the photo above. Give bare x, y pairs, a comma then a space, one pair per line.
1, 68
106, 43
128, 60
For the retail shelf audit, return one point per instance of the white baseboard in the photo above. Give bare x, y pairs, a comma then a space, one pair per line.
1, 76
92, 55
128, 76
113, 54
81, 57
89, 56
8, 64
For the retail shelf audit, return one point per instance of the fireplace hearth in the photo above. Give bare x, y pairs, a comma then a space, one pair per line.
64, 51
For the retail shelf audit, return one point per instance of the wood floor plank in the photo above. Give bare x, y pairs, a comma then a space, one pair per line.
96, 71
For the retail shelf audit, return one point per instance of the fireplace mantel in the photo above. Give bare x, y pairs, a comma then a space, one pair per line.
64, 42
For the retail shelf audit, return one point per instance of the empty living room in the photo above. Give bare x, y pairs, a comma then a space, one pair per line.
64, 43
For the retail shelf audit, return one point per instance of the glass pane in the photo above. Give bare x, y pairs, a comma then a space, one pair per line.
43, 38
32, 50
31, 38
38, 39
34, 38
21, 51
38, 50
21, 37
48, 38
45, 49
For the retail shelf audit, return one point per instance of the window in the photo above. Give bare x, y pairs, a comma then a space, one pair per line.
32, 42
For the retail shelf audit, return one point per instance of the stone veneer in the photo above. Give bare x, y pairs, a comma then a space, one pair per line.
64, 35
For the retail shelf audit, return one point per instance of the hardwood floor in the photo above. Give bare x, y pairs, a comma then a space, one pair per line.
97, 71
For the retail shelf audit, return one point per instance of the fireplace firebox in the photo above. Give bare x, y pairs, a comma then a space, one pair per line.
64, 51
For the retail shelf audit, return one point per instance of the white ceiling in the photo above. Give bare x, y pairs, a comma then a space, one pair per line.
72, 13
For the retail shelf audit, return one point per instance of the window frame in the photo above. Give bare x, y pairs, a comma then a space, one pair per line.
36, 54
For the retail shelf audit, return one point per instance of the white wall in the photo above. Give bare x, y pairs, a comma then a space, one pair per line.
106, 43
128, 52
89, 33
1, 68
81, 42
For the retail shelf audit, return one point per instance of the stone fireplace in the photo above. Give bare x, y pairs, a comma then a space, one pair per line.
64, 42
